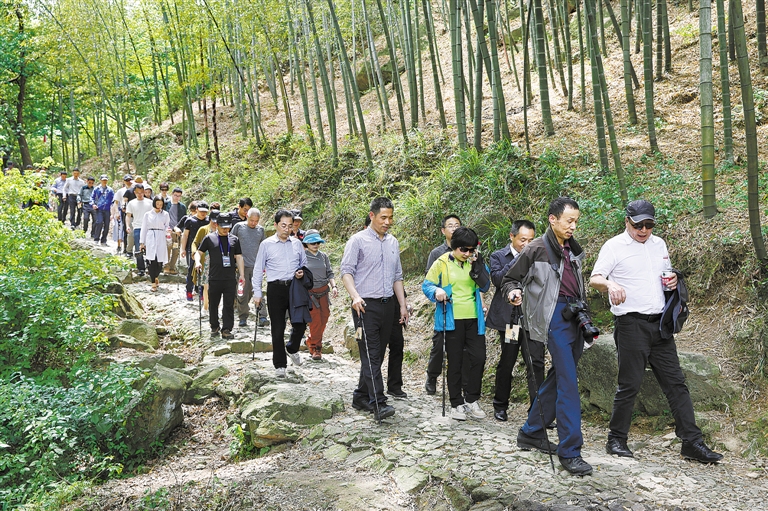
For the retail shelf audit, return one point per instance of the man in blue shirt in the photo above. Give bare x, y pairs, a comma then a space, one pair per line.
282, 257
101, 200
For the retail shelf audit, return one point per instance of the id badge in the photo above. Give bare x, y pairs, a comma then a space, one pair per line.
512, 333
225, 262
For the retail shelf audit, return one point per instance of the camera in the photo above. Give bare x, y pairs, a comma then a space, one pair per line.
578, 311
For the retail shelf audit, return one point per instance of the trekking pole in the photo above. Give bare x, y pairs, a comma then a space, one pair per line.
255, 331
199, 307
445, 351
529, 369
370, 367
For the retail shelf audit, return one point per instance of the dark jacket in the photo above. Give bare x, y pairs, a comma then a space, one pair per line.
500, 311
298, 297
533, 273
182, 208
675, 309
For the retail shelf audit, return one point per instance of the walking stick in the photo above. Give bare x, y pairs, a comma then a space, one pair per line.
255, 331
370, 367
445, 352
529, 369
199, 307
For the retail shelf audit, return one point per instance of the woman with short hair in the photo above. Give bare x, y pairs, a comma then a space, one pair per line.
155, 227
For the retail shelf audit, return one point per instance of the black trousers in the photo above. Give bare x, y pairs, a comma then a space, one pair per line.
278, 305
216, 290
88, 213
101, 225
435, 364
61, 208
154, 268
509, 351
74, 219
639, 343
190, 269
464, 343
377, 328
396, 345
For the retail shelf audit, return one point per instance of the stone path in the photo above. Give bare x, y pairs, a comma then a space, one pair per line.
446, 464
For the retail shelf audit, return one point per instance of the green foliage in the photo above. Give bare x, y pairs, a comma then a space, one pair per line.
241, 447
52, 434
49, 292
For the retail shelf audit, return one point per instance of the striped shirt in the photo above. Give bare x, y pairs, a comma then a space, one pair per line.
280, 259
373, 262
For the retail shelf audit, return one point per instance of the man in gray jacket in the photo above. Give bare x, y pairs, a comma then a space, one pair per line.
546, 279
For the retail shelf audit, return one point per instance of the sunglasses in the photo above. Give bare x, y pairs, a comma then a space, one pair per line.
314, 243
465, 250
648, 224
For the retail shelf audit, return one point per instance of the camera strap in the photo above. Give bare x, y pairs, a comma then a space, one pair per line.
552, 258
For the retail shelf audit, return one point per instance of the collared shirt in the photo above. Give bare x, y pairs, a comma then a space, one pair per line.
73, 186
637, 268
373, 262
280, 259
569, 286
58, 185
102, 197
86, 193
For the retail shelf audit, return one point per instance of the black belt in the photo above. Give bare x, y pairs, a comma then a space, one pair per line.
566, 299
382, 300
650, 318
281, 282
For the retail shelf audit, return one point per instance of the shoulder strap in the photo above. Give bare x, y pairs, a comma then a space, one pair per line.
551, 256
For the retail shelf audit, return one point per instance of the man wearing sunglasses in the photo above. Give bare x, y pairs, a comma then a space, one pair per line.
629, 268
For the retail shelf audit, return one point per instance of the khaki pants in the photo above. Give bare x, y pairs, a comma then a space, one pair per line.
173, 252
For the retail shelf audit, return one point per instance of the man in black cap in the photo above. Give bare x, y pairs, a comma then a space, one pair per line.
297, 221
225, 256
634, 269
191, 225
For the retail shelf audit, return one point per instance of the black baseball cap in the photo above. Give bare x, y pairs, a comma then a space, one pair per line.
225, 220
639, 210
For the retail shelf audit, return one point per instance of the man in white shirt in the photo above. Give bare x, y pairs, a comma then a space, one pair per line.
71, 190
629, 268
134, 214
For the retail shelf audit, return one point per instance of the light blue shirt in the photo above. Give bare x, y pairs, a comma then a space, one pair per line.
280, 259
373, 262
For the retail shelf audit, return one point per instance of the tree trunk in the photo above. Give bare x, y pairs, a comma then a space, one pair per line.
747, 99
707, 120
628, 91
546, 114
725, 84
648, 75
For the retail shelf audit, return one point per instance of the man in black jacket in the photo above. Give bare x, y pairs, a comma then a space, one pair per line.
499, 318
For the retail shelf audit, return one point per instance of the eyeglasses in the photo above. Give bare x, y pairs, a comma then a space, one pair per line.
465, 250
648, 224
452, 227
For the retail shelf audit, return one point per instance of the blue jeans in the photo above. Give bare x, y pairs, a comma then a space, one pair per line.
559, 394
136, 250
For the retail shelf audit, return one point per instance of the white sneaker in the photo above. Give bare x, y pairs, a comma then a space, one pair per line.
473, 411
280, 372
459, 413
295, 358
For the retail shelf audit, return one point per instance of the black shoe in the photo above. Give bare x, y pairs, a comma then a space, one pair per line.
215, 332
500, 415
698, 450
576, 466
363, 406
383, 412
397, 393
618, 447
226, 334
243, 322
529, 443
430, 386
141, 274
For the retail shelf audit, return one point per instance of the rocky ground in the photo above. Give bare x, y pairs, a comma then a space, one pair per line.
417, 459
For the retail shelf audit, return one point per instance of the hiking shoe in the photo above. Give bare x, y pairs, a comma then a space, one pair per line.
364, 406
618, 446
215, 332
529, 443
317, 356
295, 358
243, 322
383, 412
473, 411
698, 450
459, 413
263, 322
430, 386
226, 334
280, 372
576, 466
190, 297
397, 393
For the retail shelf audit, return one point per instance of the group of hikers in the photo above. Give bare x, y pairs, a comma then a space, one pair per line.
539, 303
